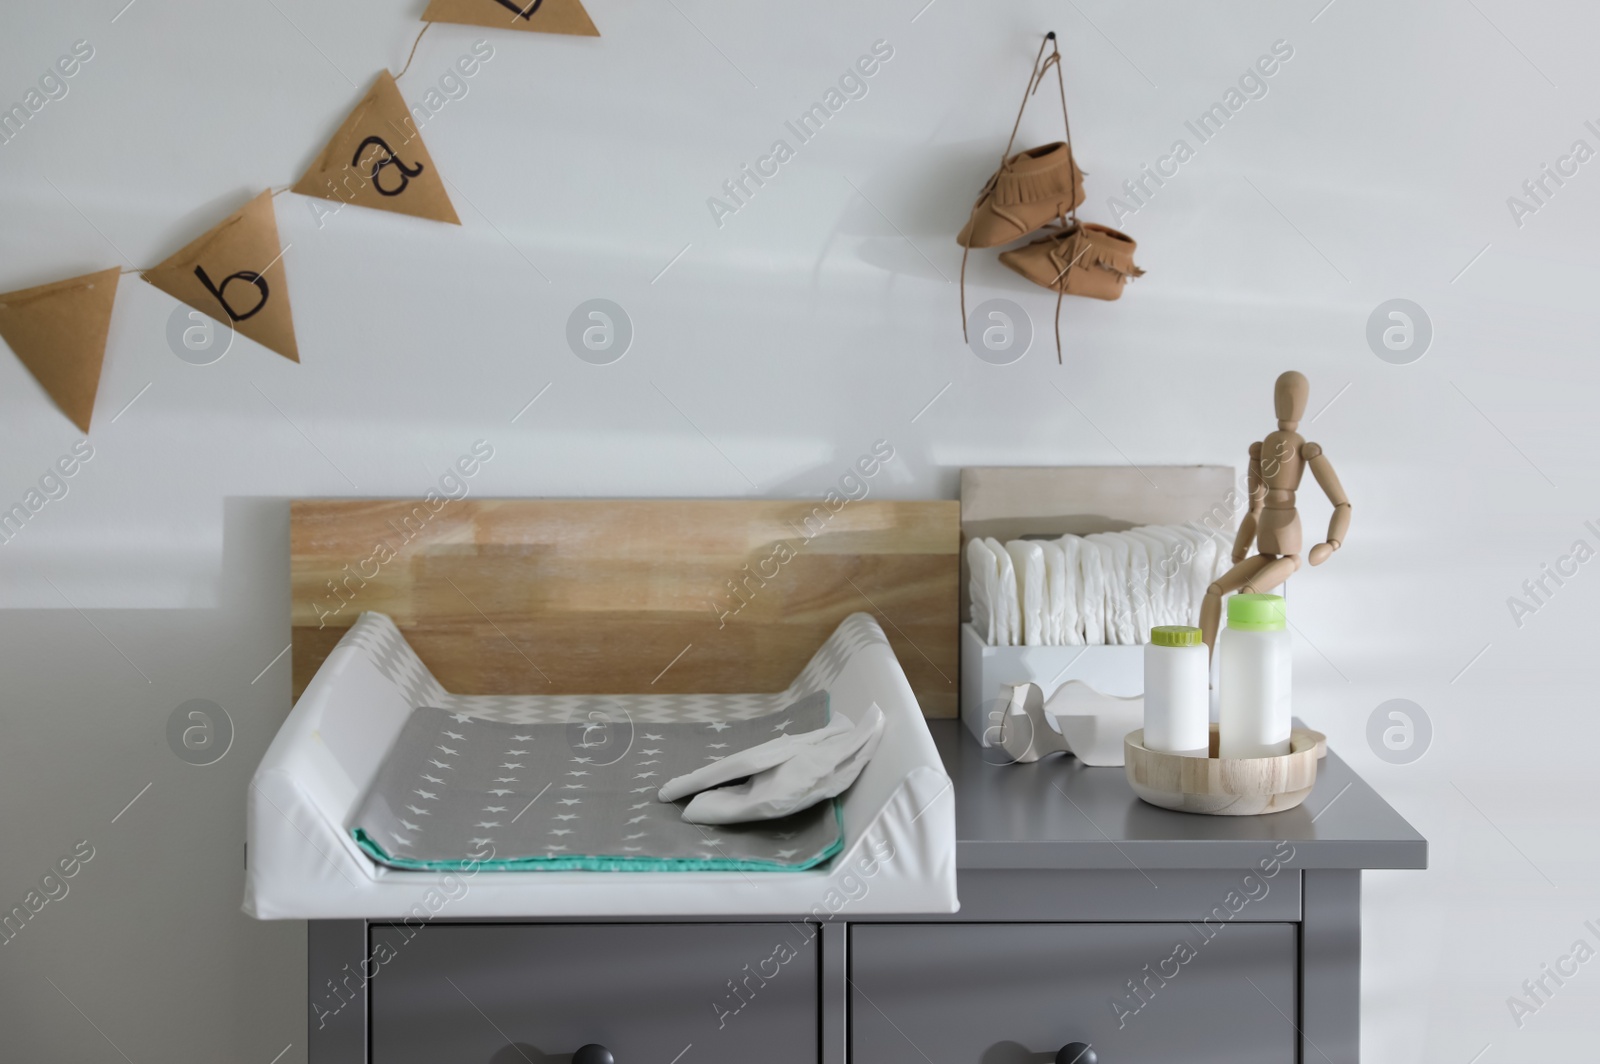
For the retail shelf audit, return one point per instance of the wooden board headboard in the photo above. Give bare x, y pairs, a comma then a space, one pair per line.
538, 596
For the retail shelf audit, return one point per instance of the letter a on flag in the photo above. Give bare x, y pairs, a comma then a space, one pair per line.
377, 159
534, 16
59, 332
234, 273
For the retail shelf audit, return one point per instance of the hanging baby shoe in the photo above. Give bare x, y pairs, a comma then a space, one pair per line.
1030, 190
1077, 259
1083, 259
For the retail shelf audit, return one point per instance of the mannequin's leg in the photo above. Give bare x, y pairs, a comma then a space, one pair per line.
1266, 574
1233, 580
1272, 576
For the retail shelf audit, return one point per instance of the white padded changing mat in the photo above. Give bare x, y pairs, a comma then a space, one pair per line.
899, 817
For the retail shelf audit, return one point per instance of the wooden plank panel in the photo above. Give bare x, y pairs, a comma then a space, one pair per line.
1007, 502
536, 596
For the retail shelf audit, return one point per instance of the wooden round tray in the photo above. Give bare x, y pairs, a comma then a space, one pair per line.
1218, 786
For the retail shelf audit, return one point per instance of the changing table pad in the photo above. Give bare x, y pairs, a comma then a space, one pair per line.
458, 792
303, 862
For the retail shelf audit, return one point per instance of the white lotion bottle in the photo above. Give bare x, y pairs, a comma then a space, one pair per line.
1253, 716
1177, 697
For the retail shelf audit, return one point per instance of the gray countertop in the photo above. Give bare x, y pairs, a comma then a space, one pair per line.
1059, 813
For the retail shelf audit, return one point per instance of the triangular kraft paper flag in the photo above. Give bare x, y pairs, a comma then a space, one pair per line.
535, 16
377, 159
234, 273
59, 332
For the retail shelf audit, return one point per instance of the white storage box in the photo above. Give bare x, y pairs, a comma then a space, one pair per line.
1016, 502
1111, 670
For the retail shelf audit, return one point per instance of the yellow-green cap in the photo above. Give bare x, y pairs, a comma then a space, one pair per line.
1175, 635
1257, 613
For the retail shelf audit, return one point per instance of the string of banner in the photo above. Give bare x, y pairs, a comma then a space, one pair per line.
234, 272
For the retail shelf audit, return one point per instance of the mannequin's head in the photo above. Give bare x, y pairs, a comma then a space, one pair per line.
1289, 398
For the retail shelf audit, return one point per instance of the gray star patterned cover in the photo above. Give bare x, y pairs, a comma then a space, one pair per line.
458, 791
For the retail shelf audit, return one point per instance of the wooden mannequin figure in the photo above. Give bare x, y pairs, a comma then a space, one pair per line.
1276, 465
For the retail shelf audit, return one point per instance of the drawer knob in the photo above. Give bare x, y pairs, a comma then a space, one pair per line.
1071, 1053
593, 1053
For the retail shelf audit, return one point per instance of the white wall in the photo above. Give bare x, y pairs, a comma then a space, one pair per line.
820, 317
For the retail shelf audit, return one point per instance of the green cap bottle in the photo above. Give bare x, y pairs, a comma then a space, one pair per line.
1257, 613
1175, 635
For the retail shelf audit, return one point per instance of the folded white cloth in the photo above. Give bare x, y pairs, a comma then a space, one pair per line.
1058, 612
1107, 587
1072, 600
1115, 562
1136, 584
1091, 592
1027, 562
786, 775
1169, 584
985, 575
1202, 567
1008, 604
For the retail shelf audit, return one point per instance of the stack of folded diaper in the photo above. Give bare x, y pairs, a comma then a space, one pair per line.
1108, 587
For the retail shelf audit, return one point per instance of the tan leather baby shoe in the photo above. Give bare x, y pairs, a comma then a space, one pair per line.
1086, 259
1031, 189
1077, 259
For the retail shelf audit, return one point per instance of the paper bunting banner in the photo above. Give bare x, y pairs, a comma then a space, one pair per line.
377, 159
234, 273
534, 16
59, 332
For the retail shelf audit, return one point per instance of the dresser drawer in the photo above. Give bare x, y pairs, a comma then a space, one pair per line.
510, 994
1016, 993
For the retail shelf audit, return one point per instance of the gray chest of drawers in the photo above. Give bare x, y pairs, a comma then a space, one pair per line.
1087, 916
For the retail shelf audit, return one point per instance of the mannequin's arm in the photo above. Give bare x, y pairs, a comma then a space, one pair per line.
1246, 535
1328, 480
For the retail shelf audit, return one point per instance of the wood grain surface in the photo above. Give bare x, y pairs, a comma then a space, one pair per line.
1225, 786
535, 596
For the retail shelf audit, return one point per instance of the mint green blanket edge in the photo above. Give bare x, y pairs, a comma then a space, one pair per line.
600, 862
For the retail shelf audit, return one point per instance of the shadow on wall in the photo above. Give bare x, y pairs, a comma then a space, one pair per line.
92, 753
909, 225
839, 473
255, 557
